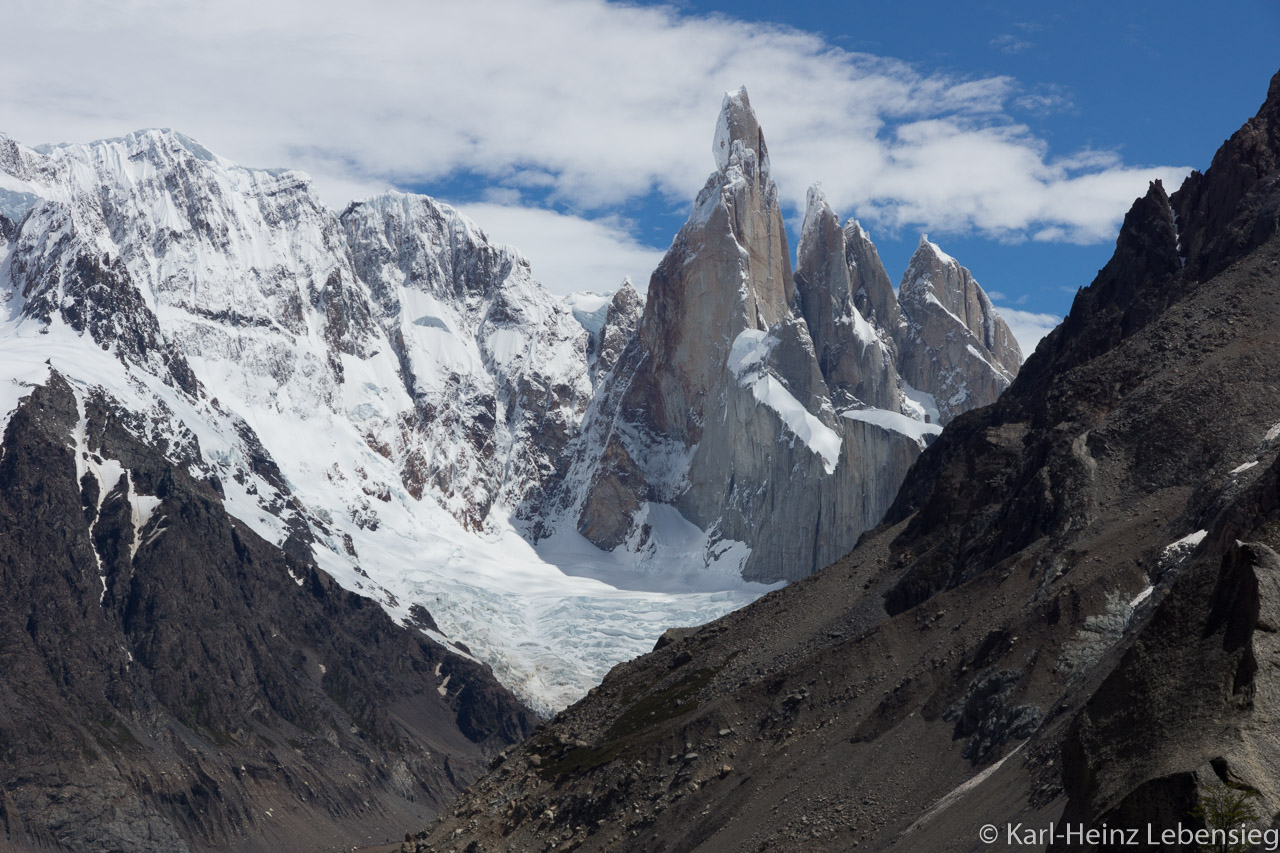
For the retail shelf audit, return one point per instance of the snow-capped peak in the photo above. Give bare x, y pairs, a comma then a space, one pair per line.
926, 243
816, 211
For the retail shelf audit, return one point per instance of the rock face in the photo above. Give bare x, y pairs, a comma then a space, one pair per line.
1066, 615
768, 409
620, 324
495, 364
953, 345
610, 320
843, 288
174, 682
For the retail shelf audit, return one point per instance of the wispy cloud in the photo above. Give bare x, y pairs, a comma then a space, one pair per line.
576, 104
1046, 100
1009, 43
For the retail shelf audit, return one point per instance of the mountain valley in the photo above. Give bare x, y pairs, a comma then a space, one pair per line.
293, 494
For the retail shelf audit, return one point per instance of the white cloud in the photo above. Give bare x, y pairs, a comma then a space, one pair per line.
568, 253
590, 102
1028, 327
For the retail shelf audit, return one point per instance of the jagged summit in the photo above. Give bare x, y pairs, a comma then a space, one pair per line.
945, 310
874, 293
817, 214
738, 134
744, 372
856, 356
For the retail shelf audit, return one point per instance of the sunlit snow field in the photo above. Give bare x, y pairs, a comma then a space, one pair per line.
550, 620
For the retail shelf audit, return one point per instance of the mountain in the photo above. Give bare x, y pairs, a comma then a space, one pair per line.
1067, 616
181, 669
951, 341
173, 681
765, 409
495, 365
295, 495
386, 392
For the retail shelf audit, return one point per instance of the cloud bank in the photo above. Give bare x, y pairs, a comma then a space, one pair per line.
577, 105
1028, 327
567, 252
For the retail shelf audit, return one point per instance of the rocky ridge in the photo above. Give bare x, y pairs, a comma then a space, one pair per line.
172, 681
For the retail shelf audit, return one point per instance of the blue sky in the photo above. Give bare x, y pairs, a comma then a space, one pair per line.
1158, 82
1015, 134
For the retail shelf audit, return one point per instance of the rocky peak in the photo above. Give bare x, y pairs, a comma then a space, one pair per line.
609, 320
728, 270
1221, 213
953, 345
933, 271
855, 358
822, 272
428, 246
1139, 282
873, 292
741, 376
16, 161
738, 135
1129, 289
621, 320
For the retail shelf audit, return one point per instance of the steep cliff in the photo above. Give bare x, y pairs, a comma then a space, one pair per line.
767, 409
951, 342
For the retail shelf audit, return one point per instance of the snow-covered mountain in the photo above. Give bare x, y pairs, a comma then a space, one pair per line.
387, 392
384, 389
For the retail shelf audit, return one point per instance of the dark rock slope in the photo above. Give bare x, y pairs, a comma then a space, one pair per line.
169, 681
1069, 614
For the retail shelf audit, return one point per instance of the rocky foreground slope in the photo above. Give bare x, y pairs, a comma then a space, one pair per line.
1068, 614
